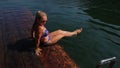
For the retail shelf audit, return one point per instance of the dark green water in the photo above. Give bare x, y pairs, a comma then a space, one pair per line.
100, 20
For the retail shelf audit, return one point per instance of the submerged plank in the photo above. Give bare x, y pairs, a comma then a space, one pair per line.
15, 27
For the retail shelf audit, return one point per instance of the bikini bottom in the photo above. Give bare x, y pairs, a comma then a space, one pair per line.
45, 43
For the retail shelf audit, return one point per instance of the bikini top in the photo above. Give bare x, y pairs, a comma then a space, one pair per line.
46, 32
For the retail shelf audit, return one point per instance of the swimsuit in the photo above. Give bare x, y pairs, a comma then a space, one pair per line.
46, 32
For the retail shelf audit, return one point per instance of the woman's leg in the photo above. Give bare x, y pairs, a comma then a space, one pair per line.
57, 35
66, 33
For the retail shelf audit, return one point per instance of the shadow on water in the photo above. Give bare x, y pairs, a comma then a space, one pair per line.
23, 45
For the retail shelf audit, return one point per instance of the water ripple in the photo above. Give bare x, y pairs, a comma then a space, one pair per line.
98, 22
104, 14
111, 32
115, 42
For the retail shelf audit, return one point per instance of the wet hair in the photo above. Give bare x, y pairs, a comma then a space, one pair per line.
39, 15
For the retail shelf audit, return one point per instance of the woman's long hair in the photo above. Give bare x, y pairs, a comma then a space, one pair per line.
38, 17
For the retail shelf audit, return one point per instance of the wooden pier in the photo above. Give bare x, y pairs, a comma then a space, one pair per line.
17, 49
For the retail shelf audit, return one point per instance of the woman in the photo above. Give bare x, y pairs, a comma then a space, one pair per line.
43, 37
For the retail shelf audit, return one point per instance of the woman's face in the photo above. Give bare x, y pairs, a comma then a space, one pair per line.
43, 20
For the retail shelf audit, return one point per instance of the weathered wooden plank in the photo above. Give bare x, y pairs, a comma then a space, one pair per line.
32, 61
1, 52
14, 60
2, 55
55, 57
15, 25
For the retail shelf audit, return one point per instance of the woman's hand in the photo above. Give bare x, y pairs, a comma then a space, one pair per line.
38, 51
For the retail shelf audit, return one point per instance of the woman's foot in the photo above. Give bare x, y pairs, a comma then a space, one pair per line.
78, 31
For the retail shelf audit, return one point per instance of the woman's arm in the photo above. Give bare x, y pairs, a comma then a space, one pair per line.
38, 37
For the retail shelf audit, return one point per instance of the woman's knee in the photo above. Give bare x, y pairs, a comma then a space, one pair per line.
62, 32
59, 30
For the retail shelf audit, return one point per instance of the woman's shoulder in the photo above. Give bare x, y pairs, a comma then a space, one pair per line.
41, 28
